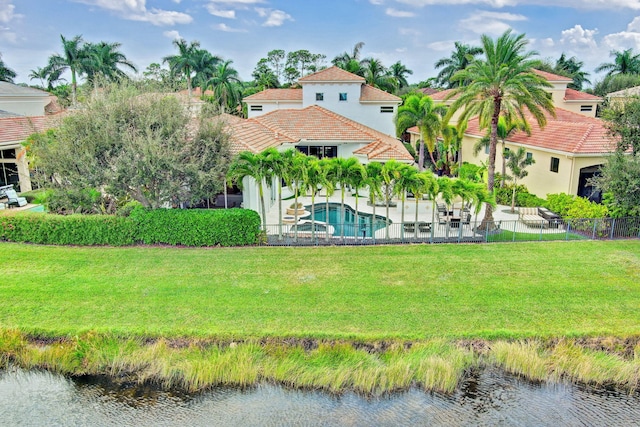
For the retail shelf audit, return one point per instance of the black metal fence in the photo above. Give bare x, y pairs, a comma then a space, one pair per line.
319, 233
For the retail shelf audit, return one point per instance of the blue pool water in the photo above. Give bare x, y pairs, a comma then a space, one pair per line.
345, 222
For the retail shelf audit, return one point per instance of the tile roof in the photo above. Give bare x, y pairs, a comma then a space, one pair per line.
552, 77
568, 132
276, 95
428, 90
369, 93
575, 95
332, 74
440, 96
17, 129
9, 89
312, 124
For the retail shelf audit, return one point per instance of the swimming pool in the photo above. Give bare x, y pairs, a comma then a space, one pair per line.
344, 223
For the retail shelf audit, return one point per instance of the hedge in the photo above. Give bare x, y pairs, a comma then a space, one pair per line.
233, 227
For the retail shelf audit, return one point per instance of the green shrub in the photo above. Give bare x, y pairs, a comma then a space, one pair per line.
574, 207
36, 196
232, 227
528, 200
471, 172
68, 229
195, 227
559, 203
70, 201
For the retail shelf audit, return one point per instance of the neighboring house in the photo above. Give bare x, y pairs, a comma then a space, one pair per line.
336, 90
568, 151
313, 130
23, 111
623, 96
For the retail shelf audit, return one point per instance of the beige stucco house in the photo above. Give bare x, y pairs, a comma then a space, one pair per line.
23, 111
567, 151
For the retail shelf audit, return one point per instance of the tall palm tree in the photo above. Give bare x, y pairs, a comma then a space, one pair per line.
357, 176
423, 112
390, 174
6, 73
39, 73
251, 165
517, 162
74, 57
399, 72
329, 185
225, 81
185, 61
275, 161
339, 171
103, 59
204, 67
406, 177
573, 67
423, 183
376, 74
374, 182
343, 60
314, 178
460, 58
624, 62
501, 84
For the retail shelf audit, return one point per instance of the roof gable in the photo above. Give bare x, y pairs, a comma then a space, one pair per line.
332, 74
276, 95
568, 132
313, 124
369, 93
550, 77
9, 89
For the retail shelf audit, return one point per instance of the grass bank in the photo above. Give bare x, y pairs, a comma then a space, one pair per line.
137, 301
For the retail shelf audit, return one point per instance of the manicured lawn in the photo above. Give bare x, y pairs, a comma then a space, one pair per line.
486, 291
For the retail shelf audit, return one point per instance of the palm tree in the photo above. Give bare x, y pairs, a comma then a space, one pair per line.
376, 75
339, 173
625, 62
399, 72
204, 67
314, 178
460, 58
573, 67
329, 185
74, 57
406, 177
103, 59
185, 61
501, 84
39, 73
225, 82
423, 112
357, 176
423, 183
390, 174
343, 60
517, 162
374, 182
255, 166
505, 131
275, 162
6, 73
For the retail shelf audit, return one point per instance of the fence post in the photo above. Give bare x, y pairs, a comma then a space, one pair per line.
515, 225
613, 226
567, 227
593, 234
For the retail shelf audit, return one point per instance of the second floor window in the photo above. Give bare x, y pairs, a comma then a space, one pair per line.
343, 96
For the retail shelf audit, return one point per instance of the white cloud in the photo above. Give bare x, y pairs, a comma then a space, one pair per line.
579, 38
172, 34
376, 2
409, 32
575, 4
275, 18
227, 29
444, 45
7, 13
136, 10
230, 14
399, 13
232, 3
485, 22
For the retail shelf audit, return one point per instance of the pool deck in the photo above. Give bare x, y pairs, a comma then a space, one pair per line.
501, 213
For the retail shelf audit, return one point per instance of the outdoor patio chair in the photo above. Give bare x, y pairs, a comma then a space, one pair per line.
409, 227
13, 198
424, 227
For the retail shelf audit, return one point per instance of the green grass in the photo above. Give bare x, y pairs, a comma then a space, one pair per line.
510, 236
519, 290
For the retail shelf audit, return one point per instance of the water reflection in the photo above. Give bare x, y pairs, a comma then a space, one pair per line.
488, 397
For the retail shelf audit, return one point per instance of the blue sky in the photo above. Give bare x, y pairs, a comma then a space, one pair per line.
416, 32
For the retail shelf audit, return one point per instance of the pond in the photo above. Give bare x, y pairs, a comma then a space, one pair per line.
487, 397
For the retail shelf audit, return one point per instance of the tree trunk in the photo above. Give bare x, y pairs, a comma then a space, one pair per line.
487, 223
513, 198
279, 208
421, 155
504, 167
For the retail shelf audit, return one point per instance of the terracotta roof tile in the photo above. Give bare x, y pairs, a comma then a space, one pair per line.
276, 95
440, 96
574, 95
569, 132
332, 74
552, 77
17, 129
429, 90
313, 124
372, 94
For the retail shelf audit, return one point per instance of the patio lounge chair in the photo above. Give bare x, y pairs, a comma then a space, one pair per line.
424, 227
13, 198
409, 227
